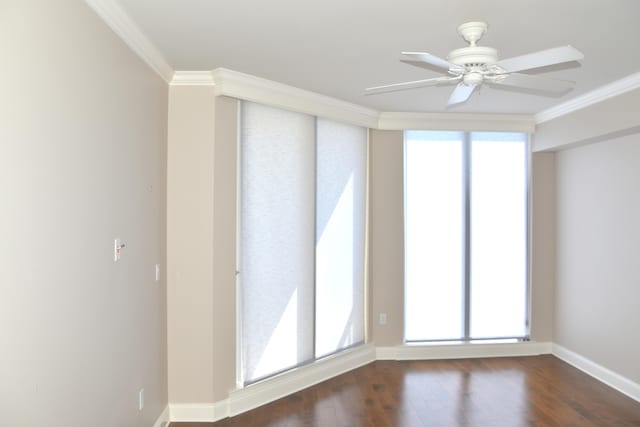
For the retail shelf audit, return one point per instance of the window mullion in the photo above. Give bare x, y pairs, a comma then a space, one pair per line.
467, 234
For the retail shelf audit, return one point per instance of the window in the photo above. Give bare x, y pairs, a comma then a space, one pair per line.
301, 263
466, 269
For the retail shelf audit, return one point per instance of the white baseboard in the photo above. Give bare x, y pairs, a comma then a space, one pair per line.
199, 412
462, 350
192, 412
255, 395
266, 391
163, 419
612, 379
261, 393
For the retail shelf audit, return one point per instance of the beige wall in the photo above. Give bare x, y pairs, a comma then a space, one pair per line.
543, 245
387, 236
224, 250
598, 281
190, 191
82, 161
201, 245
597, 233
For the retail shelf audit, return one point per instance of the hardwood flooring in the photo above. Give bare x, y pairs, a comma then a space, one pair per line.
509, 392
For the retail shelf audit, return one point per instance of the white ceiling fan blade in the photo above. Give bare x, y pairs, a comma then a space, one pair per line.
430, 59
409, 85
556, 55
533, 82
461, 93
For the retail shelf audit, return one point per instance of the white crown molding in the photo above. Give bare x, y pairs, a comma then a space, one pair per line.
600, 94
256, 89
163, 419
251, 88
118, 20
456, 121
192, 78
462, 350
622, 384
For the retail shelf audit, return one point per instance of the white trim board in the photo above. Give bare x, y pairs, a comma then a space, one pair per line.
199, 412
462, 350
258, 394
192, 78
163, 419
456, 121
118, 20
610, 90
256, 89
612, 379
261, 393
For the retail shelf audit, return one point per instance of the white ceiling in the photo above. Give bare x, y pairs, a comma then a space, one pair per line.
339, 47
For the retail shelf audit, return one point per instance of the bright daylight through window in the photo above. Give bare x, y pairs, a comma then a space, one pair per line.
301, 263
466, 268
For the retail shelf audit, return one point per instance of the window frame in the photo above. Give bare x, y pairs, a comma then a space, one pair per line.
241, 381
466, 300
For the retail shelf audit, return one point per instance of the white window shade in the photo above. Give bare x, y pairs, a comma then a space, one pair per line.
340, 228
277, 244
498, 235
434, 236
302, 228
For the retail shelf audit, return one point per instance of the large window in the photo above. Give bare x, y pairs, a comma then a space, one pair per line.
466, 274
301, 263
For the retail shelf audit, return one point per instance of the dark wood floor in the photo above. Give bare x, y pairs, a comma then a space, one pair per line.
515, 391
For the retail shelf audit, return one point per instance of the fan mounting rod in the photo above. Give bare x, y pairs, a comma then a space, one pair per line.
472, 55
472, 31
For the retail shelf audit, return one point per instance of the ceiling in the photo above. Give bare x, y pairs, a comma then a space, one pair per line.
339, 47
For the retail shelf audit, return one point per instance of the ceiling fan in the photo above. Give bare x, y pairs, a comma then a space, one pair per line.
474, 65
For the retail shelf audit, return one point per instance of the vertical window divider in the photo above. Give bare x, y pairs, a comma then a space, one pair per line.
367, 224
466, 170
529, 250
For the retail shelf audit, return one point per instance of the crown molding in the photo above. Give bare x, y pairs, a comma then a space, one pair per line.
600, 94
118, 20
192, 78
256, 89
456, 121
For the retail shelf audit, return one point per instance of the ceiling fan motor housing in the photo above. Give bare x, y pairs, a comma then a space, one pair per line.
473, 56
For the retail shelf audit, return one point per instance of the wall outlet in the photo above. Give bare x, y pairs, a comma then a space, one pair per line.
383, 319
157, 272
141, 399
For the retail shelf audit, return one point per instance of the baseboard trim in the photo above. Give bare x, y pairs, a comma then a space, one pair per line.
255, 395
192, 412
267, 391
163, 419
612, 379
261, 393
462, 351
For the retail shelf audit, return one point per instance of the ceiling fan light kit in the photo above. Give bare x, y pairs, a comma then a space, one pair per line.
473, 65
